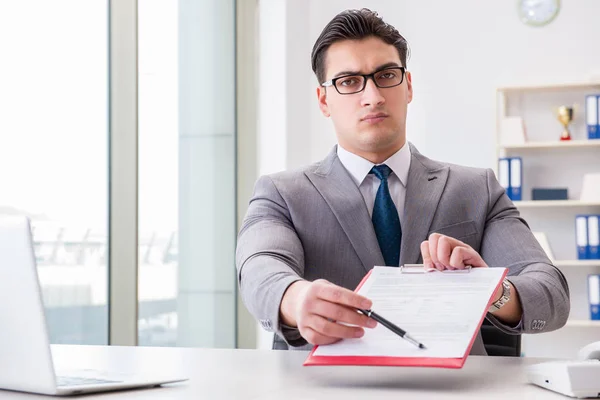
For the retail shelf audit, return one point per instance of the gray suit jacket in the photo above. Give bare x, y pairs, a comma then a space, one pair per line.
313, 223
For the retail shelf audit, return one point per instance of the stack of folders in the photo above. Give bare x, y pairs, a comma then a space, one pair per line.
592, 115
510, 175
588, 237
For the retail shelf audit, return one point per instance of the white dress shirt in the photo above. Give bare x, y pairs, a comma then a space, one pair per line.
368, 184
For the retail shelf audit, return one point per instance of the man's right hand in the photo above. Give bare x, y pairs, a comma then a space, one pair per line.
318, 308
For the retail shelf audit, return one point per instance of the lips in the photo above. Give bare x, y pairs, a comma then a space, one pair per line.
374, 117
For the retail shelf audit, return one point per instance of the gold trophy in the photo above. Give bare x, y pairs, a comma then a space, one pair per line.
565, 116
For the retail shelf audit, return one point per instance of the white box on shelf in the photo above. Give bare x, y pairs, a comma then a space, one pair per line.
512, 131
590, 191
543, 241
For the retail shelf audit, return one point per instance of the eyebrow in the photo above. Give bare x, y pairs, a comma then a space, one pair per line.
383, 66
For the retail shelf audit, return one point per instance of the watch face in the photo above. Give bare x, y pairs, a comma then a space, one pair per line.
538, 12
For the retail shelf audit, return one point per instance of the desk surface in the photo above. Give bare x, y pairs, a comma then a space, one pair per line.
264, 374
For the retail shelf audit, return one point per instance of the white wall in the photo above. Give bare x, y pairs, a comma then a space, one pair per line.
272, 116
284, 68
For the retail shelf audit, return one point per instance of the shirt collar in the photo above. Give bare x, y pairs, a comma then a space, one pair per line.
359, 167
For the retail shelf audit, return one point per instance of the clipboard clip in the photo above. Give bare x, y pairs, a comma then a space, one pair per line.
420, 269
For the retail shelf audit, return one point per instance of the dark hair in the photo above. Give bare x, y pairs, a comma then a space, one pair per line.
355, 25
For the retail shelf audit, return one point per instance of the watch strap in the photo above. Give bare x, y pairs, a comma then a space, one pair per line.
504, 298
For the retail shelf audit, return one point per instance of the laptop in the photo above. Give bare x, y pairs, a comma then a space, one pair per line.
26, 358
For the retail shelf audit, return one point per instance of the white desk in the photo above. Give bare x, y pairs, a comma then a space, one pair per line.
256, 374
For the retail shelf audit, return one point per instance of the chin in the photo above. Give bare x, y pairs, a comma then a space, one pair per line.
379, 138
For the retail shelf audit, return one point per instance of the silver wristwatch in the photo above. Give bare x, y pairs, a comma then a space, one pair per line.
498, 304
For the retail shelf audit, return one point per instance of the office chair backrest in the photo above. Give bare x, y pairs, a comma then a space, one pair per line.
498, 343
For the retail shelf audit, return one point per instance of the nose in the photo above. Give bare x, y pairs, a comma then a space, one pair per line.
372, 94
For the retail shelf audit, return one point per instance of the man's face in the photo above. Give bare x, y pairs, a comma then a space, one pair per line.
371, 123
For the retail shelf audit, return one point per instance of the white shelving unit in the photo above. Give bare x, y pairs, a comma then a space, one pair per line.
549, 87
582, 323
576, 263
553, 145
551, 163
555, 203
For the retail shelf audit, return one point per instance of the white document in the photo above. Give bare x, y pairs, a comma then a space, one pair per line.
515, 173
594, 289
581, 231
592, 109
590, 190
503, 173
442, 310
593, 231
512, 131
543, 241
598, 114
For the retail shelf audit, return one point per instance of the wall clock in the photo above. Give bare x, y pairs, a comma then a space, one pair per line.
538, 12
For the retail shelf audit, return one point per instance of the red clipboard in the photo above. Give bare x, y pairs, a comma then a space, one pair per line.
432, 362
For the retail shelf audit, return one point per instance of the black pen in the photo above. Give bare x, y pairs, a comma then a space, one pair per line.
398, 331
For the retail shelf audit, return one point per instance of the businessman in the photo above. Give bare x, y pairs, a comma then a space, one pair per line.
311, 235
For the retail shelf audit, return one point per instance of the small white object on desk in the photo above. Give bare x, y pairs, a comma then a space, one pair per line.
571, 378
590, 190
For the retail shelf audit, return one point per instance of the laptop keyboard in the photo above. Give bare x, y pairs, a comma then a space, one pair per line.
76, 381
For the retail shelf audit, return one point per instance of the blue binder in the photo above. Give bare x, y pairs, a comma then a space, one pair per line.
594, 296
592, 110
516, 178
581, 237
598, 116
593, 237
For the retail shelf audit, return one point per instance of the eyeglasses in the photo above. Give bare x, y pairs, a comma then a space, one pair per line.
350, 84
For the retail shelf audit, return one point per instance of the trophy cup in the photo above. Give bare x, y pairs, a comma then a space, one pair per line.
565, 116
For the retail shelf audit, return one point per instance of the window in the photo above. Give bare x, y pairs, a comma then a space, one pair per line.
187, 201
54, 153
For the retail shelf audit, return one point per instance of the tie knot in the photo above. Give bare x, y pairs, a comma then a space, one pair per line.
381, 171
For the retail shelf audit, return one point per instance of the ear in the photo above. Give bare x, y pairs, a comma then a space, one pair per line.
322, 97
408, 78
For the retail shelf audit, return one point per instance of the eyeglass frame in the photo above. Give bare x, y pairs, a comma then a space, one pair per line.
366, 77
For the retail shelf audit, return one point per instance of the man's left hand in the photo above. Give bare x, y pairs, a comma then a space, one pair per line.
444, 252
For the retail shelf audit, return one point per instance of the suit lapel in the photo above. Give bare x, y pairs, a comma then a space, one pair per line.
342, 195
426, 182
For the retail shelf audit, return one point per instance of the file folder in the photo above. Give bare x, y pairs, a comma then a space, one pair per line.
516, 176
581, 237
594, 296
442, 310
504, 175
598, 116
592, 108
593, 237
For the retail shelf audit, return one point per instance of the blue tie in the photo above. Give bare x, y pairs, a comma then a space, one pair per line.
385, 219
